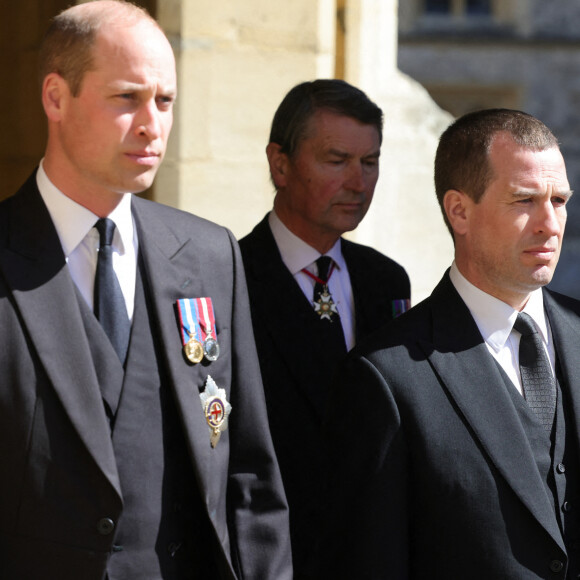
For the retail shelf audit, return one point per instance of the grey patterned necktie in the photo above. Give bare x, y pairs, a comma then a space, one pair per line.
538, 381
109, 303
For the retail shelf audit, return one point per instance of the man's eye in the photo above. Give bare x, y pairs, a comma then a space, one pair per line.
164, 102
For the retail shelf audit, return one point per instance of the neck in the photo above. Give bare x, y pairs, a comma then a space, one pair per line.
321, 241
99, 201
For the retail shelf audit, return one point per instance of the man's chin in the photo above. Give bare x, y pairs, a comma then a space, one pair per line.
140, 185
542, 276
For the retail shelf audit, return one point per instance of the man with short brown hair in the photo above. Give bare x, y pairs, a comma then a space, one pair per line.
133, 430
455, 429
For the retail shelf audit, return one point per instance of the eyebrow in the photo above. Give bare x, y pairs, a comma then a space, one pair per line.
346, 155
567, 193
129, 86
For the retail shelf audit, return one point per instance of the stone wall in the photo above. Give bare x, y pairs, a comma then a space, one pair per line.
532, 63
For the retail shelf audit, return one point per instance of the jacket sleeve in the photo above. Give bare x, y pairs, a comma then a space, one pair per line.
257, 508
365, 528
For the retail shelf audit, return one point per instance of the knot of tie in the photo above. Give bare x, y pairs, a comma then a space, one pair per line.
525, 325
323, 264
106, 229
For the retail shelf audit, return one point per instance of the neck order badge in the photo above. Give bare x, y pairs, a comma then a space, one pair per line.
322, 301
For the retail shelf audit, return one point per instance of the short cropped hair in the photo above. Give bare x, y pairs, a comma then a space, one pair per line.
462, 157
290, 123
67, 45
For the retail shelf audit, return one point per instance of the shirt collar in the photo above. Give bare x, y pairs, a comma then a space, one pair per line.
73, 221
495, 318
295, 252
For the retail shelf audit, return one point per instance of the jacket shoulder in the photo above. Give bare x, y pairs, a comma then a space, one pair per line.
371, 257
405, 331
567, 303
177, 218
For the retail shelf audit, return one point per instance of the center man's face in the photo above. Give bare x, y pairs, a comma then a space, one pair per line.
331, 178
514, 233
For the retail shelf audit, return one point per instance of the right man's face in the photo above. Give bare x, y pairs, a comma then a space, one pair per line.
514, 234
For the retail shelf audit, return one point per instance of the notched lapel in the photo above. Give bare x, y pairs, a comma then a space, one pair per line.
284, 306
565, 326
470, 375
35, 270
172, 271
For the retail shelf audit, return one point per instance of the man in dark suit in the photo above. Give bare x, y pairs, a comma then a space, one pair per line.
324, 162
456, 428
125, 455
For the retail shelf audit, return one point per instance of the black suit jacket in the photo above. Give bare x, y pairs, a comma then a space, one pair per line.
59, 477
436, 477
297, 368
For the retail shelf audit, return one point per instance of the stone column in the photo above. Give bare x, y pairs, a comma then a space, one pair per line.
404, 220
236, 60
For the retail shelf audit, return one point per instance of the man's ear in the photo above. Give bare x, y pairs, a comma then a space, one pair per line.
55, 96
457, 205
279, 164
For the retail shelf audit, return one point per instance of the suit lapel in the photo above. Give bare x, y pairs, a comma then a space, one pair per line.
278, 294
35, 269
565, 328
172, 271
470, 375
369, 297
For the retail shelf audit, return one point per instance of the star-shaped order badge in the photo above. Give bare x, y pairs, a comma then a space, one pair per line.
216, 409
325, 306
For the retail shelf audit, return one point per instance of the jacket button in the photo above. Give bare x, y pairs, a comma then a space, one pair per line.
105, 526
556, 566
561, 468
567, 507
173, 547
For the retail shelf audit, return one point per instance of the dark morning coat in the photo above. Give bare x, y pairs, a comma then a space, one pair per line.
297, 367
435, 476
59, 477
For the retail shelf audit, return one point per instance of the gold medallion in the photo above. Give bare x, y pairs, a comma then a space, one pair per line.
193, 350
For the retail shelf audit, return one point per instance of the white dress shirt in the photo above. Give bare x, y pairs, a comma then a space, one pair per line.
80, 240
495, 320
297, 254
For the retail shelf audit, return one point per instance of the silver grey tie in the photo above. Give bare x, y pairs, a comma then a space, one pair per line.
538, 381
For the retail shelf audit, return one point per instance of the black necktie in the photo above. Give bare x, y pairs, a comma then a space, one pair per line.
326, 307
109, 303
537, 379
